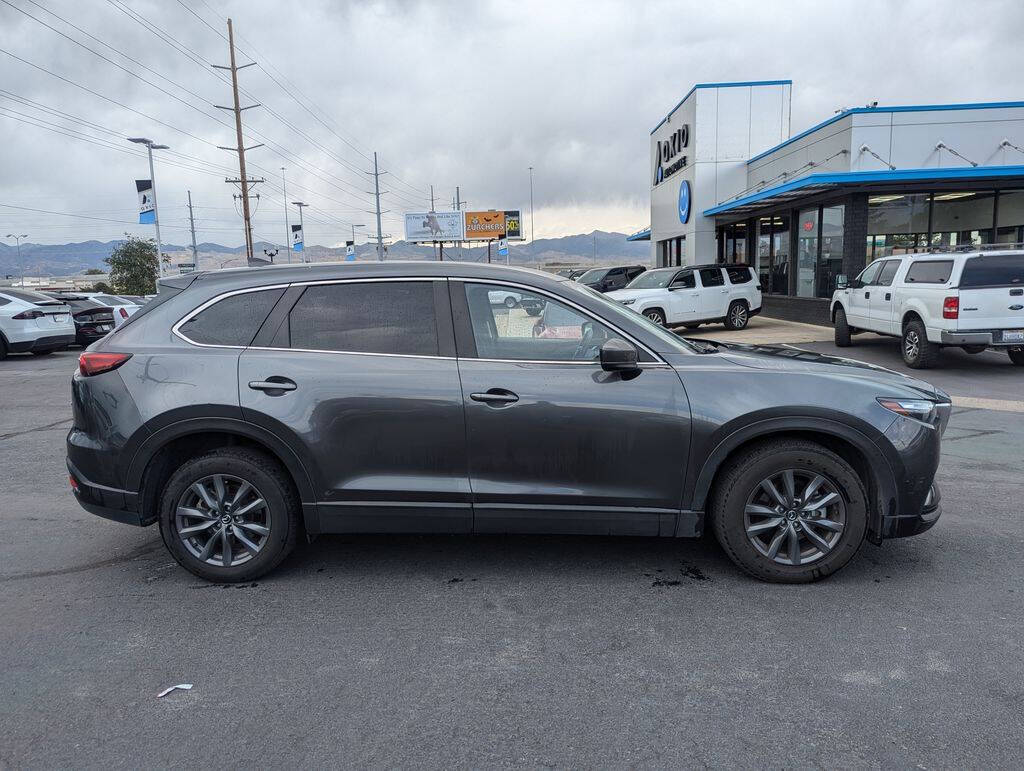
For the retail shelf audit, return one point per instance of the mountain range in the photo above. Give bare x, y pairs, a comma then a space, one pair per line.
585, 250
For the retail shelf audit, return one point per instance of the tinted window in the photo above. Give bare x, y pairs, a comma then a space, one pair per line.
685, 280
632, 273
993, 270
711, 277
738, 275
652, 279
929, 272
29, 296
868, 274
394, 317
235, 320
594, 275
888, 272
557, 334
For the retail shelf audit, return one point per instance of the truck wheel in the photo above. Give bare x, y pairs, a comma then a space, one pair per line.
918, 353
789, 511
1017, 355
974, 348
738, 315
842, 329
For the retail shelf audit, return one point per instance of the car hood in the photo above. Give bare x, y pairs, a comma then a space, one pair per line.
633, 294
777, 357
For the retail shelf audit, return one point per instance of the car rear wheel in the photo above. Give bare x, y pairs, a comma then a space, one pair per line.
842, 329
1016, 355
789, 511
738, 315
918, 353
655, 315
230, 515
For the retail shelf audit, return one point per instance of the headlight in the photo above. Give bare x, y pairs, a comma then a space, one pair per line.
628, 302
918, 409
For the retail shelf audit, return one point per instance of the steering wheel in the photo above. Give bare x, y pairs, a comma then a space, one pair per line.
588, 347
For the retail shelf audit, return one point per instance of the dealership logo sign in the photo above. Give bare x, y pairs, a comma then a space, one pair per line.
684, 202
669, 153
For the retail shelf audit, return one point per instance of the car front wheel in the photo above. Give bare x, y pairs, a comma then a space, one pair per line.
230, 515
789, 511
738, 315
656, 316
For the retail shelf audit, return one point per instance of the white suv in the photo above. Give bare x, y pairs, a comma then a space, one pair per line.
695, 295
972, 300
32, 322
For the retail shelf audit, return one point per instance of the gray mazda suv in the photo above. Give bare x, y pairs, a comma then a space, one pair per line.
242, 410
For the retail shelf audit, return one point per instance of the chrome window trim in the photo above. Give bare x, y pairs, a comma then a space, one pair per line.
352, 353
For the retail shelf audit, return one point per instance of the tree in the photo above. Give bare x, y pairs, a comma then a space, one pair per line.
101, 287
95, 272
133, 266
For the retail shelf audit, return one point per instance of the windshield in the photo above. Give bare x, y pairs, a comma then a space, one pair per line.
593, 275
615, 311
652, 279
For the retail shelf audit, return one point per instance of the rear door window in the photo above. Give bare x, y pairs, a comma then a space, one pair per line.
888, 272
738, 275
232, 321
711, 277
929, 272
993, 270
393, 317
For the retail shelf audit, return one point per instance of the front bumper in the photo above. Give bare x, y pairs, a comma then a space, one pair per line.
993, 337
48, 343
107, 502
902, 525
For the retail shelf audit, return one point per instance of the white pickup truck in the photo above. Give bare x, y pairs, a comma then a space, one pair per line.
972, 300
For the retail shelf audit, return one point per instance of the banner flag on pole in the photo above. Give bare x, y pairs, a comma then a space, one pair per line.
147, 212
297, 238
350, 251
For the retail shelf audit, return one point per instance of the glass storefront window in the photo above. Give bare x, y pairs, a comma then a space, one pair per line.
962, 218
830, 262
806, 251
780, 256
764, 250
1011, 217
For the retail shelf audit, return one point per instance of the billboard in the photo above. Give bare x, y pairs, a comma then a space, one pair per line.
513, 225
484, 225
433, 226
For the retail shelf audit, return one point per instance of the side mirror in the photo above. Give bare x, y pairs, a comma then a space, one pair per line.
618, 356
842, 282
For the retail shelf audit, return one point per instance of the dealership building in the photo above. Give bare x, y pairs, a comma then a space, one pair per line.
729, 183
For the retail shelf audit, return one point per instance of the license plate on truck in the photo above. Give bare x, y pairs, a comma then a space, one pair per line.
1013, 335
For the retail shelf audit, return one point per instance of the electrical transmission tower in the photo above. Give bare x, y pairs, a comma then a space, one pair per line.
243, 181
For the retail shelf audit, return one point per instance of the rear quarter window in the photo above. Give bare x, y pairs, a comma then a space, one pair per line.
232, 321
993, 270
929, 272
711, 277
739, 275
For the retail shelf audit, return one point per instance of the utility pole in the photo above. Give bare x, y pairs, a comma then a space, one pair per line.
192, 225
243, 181
376, 193
458, 208
531, 205
150, 147
302, 228
287, 226
21, 265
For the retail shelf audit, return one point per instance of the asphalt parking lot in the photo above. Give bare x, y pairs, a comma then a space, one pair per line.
499, 651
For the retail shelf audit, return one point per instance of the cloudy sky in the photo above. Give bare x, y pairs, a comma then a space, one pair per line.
448, 93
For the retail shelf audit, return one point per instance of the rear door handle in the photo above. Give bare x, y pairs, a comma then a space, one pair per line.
273, 384
867, 295
888, 296
496, 396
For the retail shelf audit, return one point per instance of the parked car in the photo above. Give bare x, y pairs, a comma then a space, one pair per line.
695, 295
92, 319
243, 408
609, 279
515, 300
572, 273
123, 308
31, 322
970, 300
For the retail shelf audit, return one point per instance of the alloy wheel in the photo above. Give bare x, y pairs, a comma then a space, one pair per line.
795, 517
739, 315
911, 344
654, 316
223, 520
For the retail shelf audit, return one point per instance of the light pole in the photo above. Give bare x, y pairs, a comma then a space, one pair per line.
531, 205
302, 227
150, 147
17, 240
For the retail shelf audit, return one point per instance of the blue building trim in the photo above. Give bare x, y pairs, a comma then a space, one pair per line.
734, 84
900, 108
640, 235
860, 177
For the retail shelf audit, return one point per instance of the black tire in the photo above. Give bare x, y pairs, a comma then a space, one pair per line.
1016, 354
510, 302
842, 329
738, 315
41, 353
741, 479
273, 484
918, 353
656, 315
972, 349
3, 349
693, 325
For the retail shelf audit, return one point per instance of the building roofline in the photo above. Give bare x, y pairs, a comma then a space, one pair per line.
733, 84
897, 108
860, 177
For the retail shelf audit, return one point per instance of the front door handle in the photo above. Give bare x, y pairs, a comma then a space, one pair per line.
888, 296
867, 295
275, 383
495, 396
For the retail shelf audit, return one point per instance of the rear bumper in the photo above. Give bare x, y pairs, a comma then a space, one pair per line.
48, 343
900, 526
993, 337
107, 502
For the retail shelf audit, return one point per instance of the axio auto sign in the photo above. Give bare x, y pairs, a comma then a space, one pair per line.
669, 153
684, 202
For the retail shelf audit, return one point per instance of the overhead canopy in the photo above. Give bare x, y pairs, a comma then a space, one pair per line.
640, 235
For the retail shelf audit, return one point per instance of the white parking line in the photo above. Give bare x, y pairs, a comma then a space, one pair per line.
1002, 405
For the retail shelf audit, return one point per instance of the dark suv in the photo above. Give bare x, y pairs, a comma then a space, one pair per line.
242, 408
610, 279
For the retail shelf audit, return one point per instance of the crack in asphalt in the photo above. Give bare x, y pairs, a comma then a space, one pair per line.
37, 428
142, 552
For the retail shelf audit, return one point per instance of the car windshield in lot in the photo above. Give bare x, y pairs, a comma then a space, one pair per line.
652, 279
993, 270
593, 275
109, 299
38, 298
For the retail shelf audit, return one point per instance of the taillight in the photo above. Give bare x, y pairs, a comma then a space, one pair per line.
24, 315
124, 313
951, 308
97, 363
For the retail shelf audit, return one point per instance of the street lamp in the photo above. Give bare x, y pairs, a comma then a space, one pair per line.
302, 227
150, 147
17, 240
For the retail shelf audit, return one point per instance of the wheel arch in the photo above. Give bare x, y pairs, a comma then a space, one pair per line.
911, 314
851, 444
